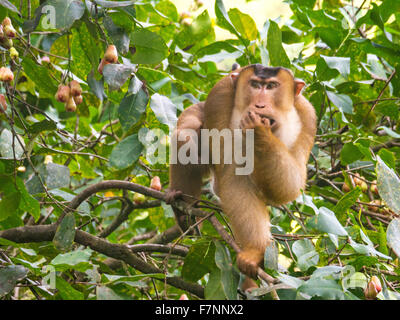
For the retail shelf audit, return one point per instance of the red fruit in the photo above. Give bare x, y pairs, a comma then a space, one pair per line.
103, 62
9, 31
3, 103
63, 93
6, 22
45, 59
76, 89
373, 288
374, 188
155, 183
6, 74
111, 54
375, 205
364, 187
70, 106
138, 198
78, 99
345, 188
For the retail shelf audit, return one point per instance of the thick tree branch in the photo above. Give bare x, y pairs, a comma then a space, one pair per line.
113, 250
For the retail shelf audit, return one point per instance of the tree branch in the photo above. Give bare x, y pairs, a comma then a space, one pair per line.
113, 250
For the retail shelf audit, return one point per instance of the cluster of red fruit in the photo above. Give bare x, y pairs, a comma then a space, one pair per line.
70, 94
375, 205
7, 33
110, 56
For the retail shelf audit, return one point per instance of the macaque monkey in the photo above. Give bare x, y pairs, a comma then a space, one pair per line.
267, 100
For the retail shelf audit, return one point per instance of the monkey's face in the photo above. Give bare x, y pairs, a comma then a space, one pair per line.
270, 93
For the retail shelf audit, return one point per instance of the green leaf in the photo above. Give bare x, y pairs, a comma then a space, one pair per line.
243, 23
115, 4
393, 236
105, 293
116, 75
199, 261
388, 184
89, 46
229, 276
132, 106
367, 250
11, 146
40, 76
8, 5
56, 176
150, 47
44, 125
330, 36
350, 153
389, 132
65, 233
214, 289
341, 64
164, 110
66, 291
126, 153
81, 65
9, 276
97, 86
9, 205
277, 54
195, 32
271, 257
120, 38
388, 157
67, 12
223, 19
83, 209
77, 260
306, 3
342, 101
28, 203
327, 222
305, 253
324, 288
348, 200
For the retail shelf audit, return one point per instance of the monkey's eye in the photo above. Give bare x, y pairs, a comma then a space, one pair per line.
271, 85
255, 84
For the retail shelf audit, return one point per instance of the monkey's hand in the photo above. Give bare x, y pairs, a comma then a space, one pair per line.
249, 260
252, 120
172, 195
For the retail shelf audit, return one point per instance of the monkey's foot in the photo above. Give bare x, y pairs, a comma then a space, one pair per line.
172, 195
248, 284
249, 260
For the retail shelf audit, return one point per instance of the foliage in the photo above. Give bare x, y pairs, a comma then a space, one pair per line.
327, 244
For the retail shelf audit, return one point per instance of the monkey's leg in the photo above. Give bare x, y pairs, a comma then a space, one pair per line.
249, 218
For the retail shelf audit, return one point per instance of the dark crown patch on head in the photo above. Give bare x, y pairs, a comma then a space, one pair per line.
265, 72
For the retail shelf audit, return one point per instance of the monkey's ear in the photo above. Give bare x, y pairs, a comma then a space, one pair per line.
299, 85
235, 66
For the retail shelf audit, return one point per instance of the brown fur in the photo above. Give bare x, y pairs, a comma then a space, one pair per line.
281, 154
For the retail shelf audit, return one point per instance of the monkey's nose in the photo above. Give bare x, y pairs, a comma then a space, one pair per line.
259, 106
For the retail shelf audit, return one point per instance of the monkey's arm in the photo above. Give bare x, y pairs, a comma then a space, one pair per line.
279, 173
186, 178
